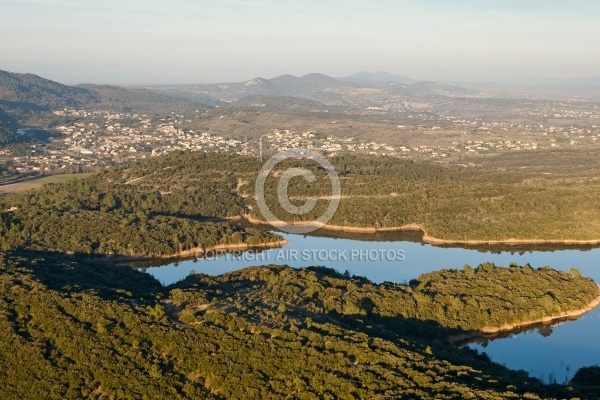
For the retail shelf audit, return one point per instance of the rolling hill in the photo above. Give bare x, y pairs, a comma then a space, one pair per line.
33, 93
23, 96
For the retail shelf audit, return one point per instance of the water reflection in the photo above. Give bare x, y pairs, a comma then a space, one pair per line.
552, 353
547, 352
416, 236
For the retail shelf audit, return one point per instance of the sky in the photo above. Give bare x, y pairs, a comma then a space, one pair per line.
198, 41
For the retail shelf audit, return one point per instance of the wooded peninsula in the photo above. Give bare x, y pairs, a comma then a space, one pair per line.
74, 329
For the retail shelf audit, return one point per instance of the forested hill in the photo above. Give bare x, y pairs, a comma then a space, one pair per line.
169, 209
449, 204
71, 330
138, 100
25, 95
183, 188
29, 91
459, 300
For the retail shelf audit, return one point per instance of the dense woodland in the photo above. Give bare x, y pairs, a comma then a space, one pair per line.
72, 330
110, 213
588, 376
449, 203
462, 300
158, 204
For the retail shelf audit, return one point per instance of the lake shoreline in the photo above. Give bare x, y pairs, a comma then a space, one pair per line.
196, 251
430, 239
492, 331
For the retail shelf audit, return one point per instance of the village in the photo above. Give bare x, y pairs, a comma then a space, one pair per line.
96, 139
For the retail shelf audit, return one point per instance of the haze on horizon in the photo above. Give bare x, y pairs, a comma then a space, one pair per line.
154, 42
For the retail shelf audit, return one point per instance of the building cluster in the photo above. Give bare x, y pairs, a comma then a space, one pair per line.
98, 138
497, 136
284, 139
95, 139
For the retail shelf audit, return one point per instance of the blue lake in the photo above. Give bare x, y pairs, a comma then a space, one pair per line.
550, 357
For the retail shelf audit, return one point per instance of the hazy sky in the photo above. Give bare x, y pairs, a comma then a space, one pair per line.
193, 41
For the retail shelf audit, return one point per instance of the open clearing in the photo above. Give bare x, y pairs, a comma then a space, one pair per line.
36, 183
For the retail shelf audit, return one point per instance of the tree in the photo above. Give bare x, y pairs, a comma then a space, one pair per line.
157, 312
109, 202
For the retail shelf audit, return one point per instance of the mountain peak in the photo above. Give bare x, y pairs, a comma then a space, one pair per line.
258, 81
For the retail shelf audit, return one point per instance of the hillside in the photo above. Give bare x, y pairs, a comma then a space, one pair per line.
450, 205
183, 189
279, 103
30, 92
73, 330
138, 100
261, 332
116, 213
470, 299
27, 98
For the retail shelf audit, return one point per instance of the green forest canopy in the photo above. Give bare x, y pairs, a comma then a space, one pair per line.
376, 192
72, 330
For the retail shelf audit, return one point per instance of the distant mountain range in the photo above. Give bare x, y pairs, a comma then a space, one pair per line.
25, 99
313, 86
284, 85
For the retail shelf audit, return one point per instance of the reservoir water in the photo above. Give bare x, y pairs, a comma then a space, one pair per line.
551, 353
